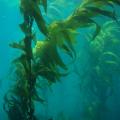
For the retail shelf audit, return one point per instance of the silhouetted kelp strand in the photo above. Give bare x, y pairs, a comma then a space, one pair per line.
85, 12
66, 41
28, 48
82, 17
30, 109
27, 25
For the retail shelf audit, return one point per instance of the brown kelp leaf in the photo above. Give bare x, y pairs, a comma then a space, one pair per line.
47, 67
52, 75
49, 75
49, 54
39, 48
40, 22
39, 18
31, 9
22, 60
70, 40
86, 21
54, 58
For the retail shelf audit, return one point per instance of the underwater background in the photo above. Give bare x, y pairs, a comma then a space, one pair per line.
89, 88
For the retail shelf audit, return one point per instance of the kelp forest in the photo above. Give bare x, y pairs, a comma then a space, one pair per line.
80, 50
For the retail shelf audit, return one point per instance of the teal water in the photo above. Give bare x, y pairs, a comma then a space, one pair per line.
91, 90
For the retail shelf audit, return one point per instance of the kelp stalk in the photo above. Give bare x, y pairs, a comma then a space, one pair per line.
28, 21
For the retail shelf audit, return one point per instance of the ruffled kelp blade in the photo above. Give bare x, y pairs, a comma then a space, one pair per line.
48, 60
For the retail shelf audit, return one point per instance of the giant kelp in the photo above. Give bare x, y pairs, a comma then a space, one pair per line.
102, 73
44, 58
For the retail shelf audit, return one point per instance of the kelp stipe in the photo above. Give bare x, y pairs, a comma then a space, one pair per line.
44, 59
20, 103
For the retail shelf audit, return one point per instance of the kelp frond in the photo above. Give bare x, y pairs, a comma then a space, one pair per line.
45, 59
